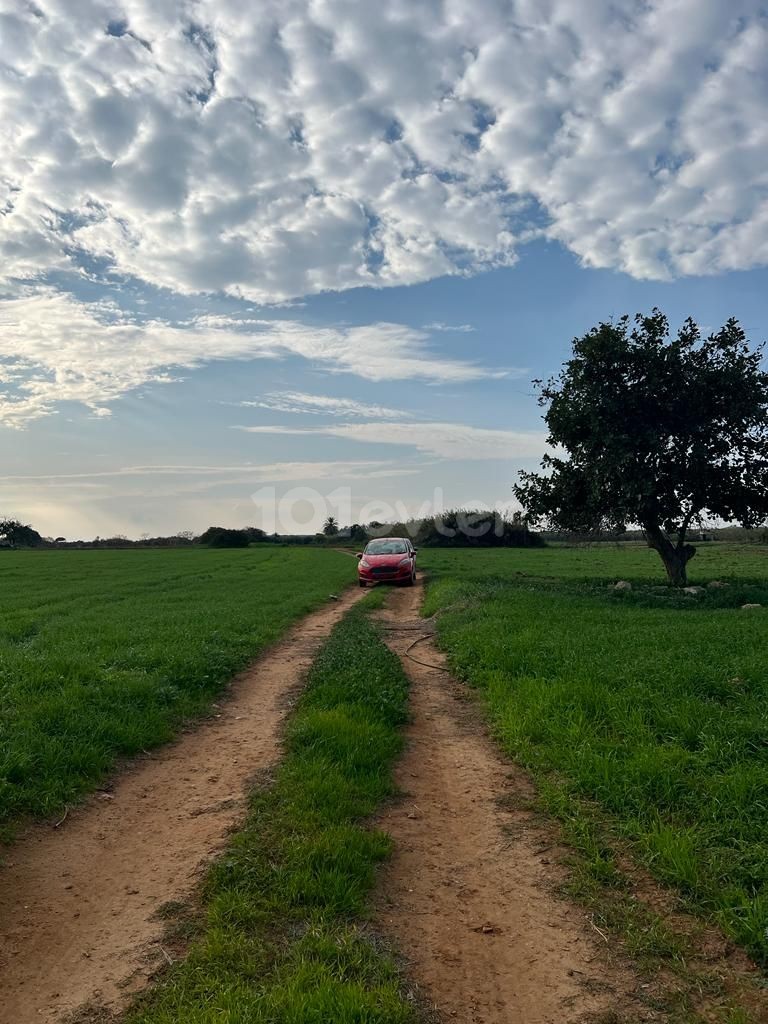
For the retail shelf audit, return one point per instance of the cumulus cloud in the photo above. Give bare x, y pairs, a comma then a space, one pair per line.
54, 348
289, 147
444, 440
301, 402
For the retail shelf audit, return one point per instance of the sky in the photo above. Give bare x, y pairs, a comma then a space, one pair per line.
265, 262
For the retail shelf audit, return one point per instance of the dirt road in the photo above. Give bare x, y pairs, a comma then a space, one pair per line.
469, 895
79, 906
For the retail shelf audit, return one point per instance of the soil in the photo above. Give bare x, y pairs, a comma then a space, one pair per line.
81, 918
469, 896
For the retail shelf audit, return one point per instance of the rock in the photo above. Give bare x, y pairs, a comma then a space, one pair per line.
751, 606
623, 585
716, 585
693, 591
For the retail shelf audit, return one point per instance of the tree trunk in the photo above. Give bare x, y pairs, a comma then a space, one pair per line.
674, 556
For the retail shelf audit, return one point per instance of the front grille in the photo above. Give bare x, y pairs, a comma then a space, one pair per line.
385, 570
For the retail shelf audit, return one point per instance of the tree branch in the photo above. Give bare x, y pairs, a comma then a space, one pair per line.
684, 527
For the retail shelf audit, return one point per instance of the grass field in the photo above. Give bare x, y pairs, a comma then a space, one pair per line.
279, 938
105, 653
644, 712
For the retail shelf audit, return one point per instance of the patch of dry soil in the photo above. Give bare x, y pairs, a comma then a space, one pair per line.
79, 920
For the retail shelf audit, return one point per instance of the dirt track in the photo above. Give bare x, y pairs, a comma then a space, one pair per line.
468, 896
78, 906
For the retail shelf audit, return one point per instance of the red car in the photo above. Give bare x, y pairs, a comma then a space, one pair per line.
387, 560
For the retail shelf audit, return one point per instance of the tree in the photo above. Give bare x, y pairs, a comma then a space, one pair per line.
254, 534
654, 431
358, 533
19, 535
331, 526
221, 537
476, 528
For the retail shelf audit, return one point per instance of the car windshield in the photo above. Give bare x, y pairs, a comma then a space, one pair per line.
386, 547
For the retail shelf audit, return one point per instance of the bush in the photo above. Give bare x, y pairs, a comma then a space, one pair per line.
221, 537
476, 528
14, 534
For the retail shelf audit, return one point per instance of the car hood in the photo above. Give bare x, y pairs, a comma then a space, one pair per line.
385, 559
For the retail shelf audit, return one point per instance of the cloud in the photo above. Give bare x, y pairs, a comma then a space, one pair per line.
290, 147
450, 328
300, 402
272, 471
54, 348
156, 483
135, 499
444, 440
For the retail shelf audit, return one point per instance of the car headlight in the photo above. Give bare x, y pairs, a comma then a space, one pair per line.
365, 565
404, 561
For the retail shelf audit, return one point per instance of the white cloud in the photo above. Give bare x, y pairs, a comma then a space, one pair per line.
301, 402
288, 147
449, 328
271, 472
165, 498
54, 348
444, 440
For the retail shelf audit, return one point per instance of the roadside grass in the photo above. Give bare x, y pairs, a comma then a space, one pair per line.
642, 717
282, 936
106, 653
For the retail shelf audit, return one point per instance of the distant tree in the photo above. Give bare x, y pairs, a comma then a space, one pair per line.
357, 532
254, 534
207, 535
654, 431
331, 526
476, 528
221, 537
19, 535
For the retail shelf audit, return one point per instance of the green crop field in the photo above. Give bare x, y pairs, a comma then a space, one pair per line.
105, 653
643, 711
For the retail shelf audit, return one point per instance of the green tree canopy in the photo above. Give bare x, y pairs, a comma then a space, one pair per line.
331, 526
18, 534
654, 431
221, 537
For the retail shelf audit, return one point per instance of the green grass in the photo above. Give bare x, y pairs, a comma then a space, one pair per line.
281, 939
597, 563
642, 716
105, 653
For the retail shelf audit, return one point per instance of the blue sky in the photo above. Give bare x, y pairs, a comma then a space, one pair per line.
327, 245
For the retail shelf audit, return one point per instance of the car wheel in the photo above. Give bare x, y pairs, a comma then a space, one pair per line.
361, 583
411, 580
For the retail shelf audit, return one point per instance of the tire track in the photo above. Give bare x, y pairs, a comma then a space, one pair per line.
469, 896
